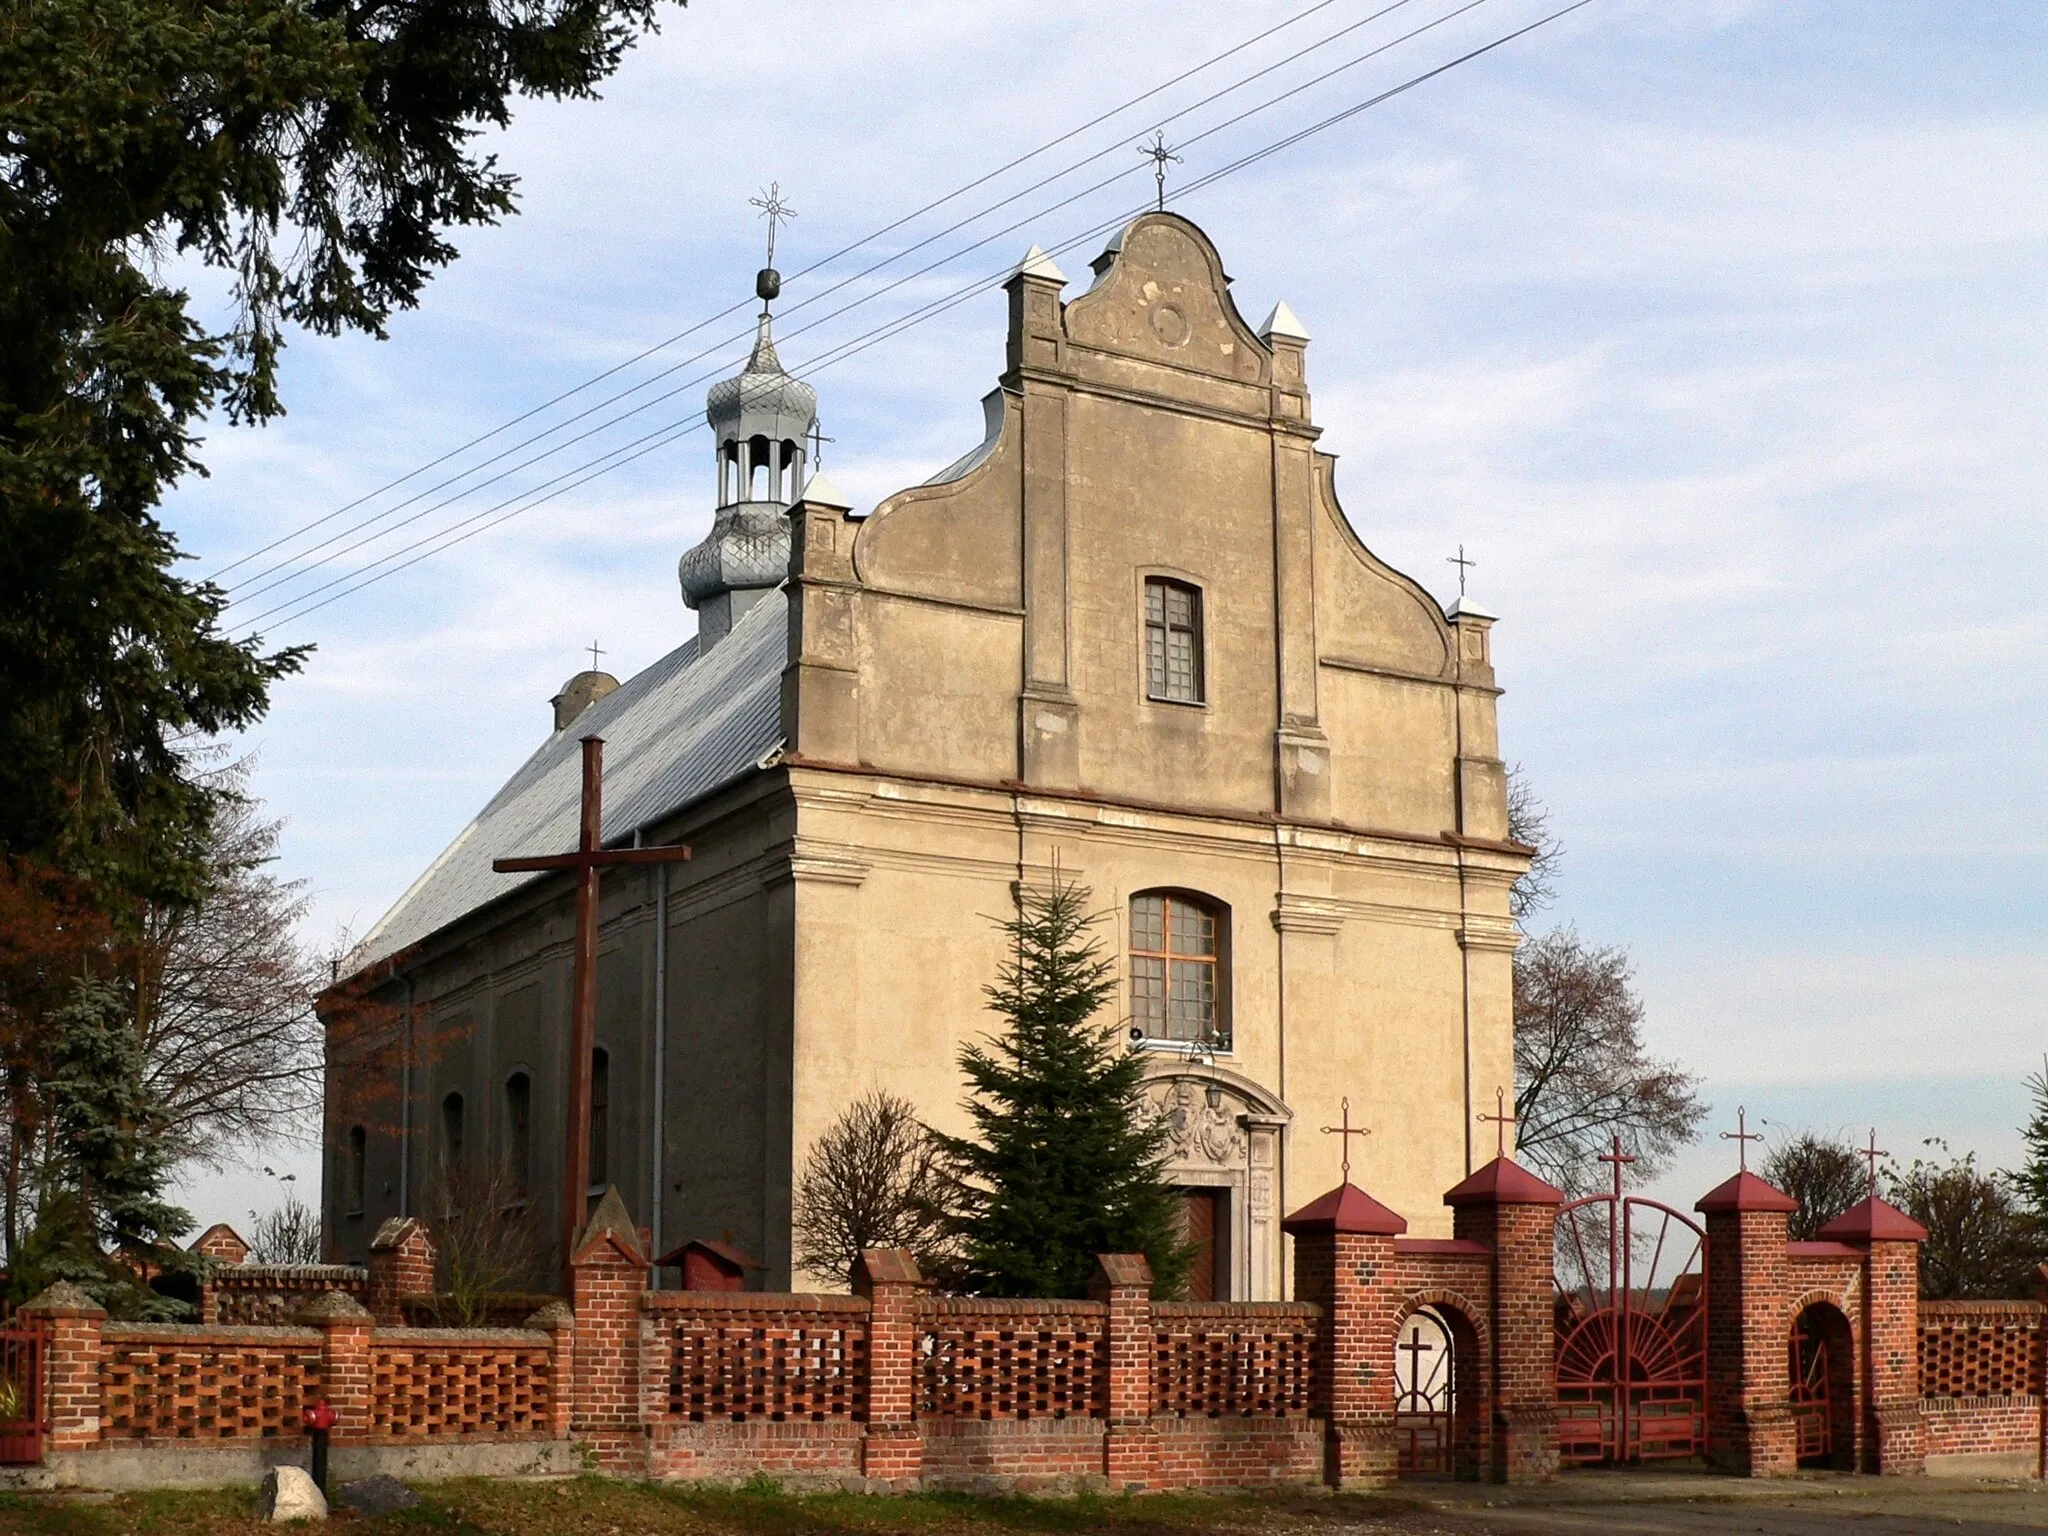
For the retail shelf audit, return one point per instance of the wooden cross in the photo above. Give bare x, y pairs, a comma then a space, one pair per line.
1742, 1136
1463, 566
1619, 1158
1500, 1120
1871, 1154
1161, 153
1347, 1131
589, 858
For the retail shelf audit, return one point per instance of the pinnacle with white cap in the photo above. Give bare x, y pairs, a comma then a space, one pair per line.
1037, 264
1283, 323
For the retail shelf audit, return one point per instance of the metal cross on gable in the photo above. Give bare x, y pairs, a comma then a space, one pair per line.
1346, 1130
1742, 1136
1161, 155
589, 858
1463, 566
1871, 1154
1500, 1120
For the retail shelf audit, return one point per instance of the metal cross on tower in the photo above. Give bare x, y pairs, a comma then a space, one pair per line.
1463, 566
774, 210
589, 858
594, 654
1346, 1130
1500, 1120
1161, 155
1742, 1136
1871, 1154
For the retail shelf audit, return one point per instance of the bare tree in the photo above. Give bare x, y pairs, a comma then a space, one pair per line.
1529, 823
1582, 1072
873, 1180
1980, 1245
226, 1005
287, 1233
1825, 1174
486, 1236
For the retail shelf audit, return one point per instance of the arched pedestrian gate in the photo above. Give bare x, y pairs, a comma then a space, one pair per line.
1631, 1331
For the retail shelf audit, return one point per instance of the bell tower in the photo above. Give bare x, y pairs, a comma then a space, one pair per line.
761, 421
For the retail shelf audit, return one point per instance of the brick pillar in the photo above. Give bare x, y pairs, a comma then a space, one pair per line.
1749, 1292
892, 1447
401, 1265
345, 1325
1124, 1281
1890, 1367
559, 1324
609, 1273
1343, 1259
71, 1364
1514, 1213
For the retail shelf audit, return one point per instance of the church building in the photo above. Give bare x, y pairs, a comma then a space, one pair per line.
1129, 641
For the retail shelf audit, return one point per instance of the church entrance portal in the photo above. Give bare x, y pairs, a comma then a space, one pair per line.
1222, 1155
1631, 1332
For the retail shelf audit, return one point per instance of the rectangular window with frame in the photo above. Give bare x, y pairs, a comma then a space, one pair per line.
1173, 641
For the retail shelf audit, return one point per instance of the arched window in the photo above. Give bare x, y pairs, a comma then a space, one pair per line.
519, 1133
1173, 641
600, 1117
1179, 985
355, 1178
451, 1136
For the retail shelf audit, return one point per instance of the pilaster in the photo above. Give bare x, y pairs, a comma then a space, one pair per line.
401, 1265
345, 1325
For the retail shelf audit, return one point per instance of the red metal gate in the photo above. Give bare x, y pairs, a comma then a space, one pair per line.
21, 1393
1422, 1396
1813, 1416
1631, 1330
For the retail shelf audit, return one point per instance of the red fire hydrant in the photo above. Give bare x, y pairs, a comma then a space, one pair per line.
319, 1418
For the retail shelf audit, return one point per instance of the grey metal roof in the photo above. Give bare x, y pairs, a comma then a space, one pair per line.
680, 729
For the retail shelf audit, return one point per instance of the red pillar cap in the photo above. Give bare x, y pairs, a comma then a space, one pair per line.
1347, 1208
1873, 1221
1746, 1192
1504, 1182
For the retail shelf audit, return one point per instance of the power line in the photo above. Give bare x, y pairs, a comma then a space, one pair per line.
662, 436
730, 309
301, 566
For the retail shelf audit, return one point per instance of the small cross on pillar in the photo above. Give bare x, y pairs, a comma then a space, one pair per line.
1742, 1136
1871, 1154
1500, 1120
1463, 566
1346, 1130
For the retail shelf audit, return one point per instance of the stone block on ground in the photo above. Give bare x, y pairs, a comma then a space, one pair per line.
379, 1495
289, 1493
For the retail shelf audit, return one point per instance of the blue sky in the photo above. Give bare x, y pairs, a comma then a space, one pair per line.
1713, 329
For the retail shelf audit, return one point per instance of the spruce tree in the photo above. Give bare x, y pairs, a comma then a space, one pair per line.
1066, 1162
2032, 1178
104, 1192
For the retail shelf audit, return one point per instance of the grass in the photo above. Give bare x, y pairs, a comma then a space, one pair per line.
592, 1506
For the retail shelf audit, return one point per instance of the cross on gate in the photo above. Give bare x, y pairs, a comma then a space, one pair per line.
1742, 1136
589, 858
1347, 1131
1619, 1158
1871, 1154
1500, 1120
1415, 1349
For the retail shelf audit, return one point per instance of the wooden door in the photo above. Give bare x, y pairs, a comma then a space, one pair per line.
1201, 1228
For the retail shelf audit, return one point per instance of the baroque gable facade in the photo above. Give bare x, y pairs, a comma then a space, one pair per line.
1130, 641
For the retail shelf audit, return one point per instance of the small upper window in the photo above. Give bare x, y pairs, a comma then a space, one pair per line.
1177, 985
356, 1179
1173, 641
519, 1134
600, 1118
